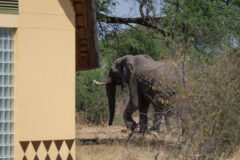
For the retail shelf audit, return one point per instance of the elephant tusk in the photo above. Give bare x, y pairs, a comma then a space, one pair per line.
100, 83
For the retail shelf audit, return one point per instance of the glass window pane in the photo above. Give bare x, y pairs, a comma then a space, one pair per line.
11, 80
1, 33
2, 151
1, 104
6, 45
1, 44
6, 94
1, 80
6, 80
1, 68
1, 55
6, 68
1, 140
12, 57
1, 92
7, 104
2, 117
6, 56
1, 126
6, 33
11, 45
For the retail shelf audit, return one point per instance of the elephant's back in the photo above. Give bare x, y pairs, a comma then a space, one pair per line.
162, 75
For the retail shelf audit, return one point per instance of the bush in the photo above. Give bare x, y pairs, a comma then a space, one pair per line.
210, 110
91, 101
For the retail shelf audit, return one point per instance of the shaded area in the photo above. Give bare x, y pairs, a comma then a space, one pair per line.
68, 9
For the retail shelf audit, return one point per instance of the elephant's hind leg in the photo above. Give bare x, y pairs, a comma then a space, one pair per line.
143, 110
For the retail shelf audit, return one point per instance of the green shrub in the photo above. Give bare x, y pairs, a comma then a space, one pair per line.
91, 101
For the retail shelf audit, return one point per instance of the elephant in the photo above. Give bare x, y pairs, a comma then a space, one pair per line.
149, 82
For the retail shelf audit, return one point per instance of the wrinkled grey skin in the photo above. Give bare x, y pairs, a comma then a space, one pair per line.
149, 81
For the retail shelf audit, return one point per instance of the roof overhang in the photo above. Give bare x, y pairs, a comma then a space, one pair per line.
87, 47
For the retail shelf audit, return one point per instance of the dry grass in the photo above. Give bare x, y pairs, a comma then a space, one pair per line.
100, 132
148, 148
210, 108
236, 156
115, 152
114, 144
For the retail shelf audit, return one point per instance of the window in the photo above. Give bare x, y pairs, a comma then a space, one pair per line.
9, 6
6, 94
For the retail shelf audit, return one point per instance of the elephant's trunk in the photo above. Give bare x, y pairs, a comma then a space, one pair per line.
111, 91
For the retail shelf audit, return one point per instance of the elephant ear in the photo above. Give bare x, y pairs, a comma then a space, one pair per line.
126, 74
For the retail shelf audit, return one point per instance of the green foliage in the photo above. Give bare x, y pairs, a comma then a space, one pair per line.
91, 101
134, 42
210, 22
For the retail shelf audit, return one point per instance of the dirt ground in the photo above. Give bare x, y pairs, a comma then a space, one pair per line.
115, 152
113, 143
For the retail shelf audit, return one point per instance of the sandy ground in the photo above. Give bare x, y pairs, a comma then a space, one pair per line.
112, 143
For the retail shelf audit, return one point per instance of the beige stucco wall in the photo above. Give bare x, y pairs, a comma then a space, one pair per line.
44, 75
45, 71
8, 20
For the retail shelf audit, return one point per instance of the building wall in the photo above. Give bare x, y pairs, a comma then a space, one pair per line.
44, 78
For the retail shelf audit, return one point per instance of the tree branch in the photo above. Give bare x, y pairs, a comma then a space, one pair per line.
141, 9
143, 32
151, 22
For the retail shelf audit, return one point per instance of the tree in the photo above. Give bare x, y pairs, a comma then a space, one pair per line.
206, 22
132, 41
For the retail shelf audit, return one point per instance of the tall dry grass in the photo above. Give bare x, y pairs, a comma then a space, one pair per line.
210, 108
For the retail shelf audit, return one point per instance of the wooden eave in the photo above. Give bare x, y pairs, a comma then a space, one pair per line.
87, 47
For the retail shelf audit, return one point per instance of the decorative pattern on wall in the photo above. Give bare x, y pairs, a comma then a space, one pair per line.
48, 150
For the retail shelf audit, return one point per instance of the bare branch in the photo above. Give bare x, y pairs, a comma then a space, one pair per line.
143, 32
141, 9
152, 22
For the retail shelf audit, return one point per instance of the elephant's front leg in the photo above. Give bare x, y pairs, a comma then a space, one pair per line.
127, 115
143, 110
132, 105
